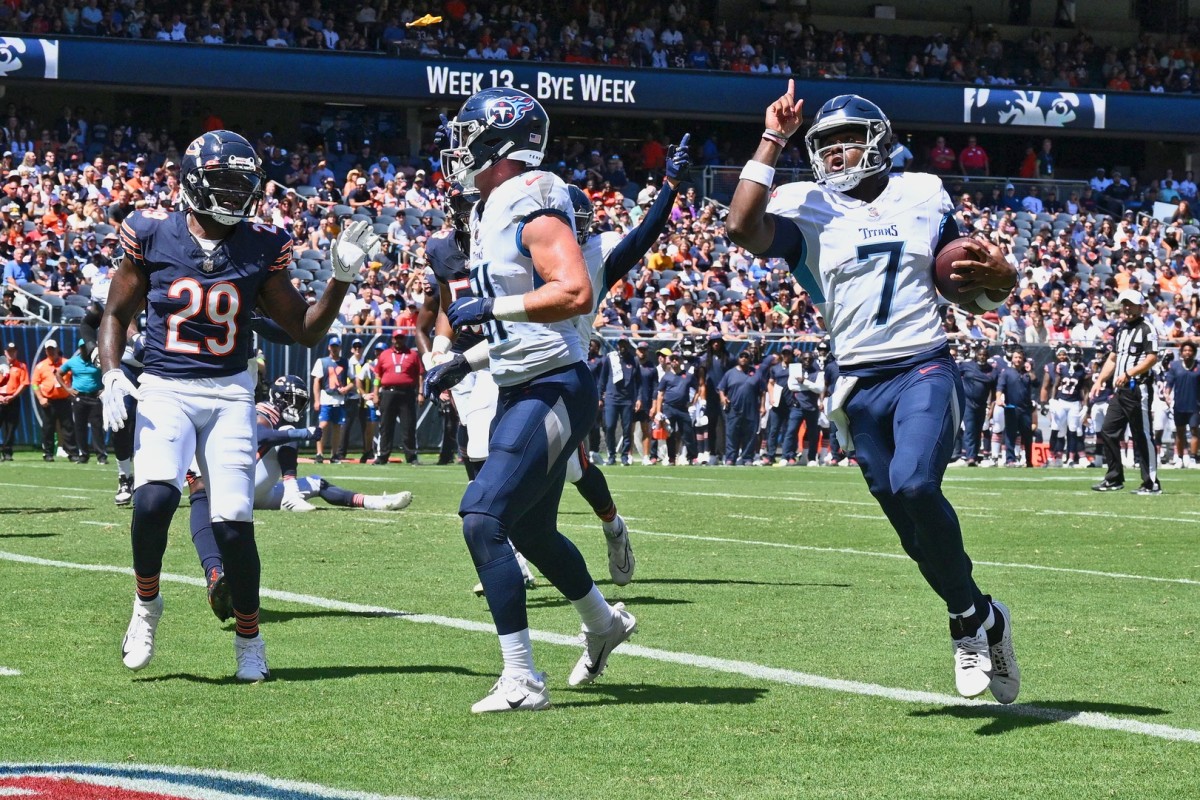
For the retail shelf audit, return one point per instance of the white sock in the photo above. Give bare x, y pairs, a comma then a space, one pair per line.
125, 467
612, 526
594, 610
517, 651
963, 614
991, 618
290, 489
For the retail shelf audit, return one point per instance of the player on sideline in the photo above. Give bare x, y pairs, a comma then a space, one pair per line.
1063, 390
529, 279
863, 243
200, 274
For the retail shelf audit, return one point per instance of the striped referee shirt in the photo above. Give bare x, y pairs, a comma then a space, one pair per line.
1136, 342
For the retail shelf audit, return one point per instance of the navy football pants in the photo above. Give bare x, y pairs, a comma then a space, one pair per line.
904, 428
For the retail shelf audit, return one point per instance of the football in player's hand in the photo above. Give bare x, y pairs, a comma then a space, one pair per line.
943, 269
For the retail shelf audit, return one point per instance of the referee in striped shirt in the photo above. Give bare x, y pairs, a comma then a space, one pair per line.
1131, 361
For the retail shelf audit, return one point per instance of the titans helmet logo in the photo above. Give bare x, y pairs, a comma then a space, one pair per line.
504, 112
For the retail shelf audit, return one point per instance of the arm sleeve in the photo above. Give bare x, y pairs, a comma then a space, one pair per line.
269, 437
635, 243
949, 233
788, 243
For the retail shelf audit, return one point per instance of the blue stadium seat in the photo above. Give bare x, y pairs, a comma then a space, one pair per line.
72, 315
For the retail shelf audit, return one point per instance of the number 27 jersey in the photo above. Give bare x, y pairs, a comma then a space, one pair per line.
198, 303
871, 264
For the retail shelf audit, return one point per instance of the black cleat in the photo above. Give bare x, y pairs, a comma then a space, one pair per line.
219, 596
1154, 488
1106, 486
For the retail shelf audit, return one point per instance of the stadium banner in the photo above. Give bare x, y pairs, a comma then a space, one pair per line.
694, 94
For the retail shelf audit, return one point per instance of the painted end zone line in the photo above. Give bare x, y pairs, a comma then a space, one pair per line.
745, 668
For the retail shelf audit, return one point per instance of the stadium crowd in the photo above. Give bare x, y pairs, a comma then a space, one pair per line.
778, 40
66, 190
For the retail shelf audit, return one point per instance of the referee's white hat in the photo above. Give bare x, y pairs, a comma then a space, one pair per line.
1131, 296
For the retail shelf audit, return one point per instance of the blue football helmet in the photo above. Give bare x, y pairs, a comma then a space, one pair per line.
289, 394
221, 176
495, 124
1074, 354
848, 112
584, 212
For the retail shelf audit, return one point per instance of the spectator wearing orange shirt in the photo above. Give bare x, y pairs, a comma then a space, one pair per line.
941, 156
55, 403
974, 159
13, 381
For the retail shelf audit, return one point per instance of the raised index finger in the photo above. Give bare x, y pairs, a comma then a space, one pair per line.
791, 92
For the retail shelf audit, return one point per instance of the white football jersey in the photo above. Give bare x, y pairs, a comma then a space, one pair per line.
502, 267
595, 252
870, 265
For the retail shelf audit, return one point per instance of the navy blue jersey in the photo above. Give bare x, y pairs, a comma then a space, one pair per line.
198, 304
648, 386
452, 269
1068, 381
676, 389
1017, 388
742, 391
979, 381
1185, 383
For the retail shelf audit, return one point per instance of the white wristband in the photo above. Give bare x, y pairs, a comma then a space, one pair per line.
441, 344
478, 356
986, 303
758, 172
510, 309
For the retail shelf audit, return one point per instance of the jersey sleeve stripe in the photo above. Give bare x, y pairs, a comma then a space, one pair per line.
530, 217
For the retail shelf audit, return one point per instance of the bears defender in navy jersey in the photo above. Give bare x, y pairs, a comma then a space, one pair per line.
452, 270
201, 273
197, 314
863, 243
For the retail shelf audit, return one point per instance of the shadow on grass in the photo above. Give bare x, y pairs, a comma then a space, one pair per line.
727, 582
300, 674
649, 694
35, 510
1001, 719
277, 615
556, 600
28, 535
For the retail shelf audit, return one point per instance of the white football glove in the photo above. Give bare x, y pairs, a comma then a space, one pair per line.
116, 388
351, 249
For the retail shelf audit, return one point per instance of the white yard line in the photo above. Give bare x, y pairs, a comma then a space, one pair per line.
728, 666
9, 672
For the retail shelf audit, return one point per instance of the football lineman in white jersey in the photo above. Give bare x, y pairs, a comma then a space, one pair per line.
530, 281
863, 243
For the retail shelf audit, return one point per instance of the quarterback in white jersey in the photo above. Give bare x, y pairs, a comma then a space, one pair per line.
530, 280
862, 242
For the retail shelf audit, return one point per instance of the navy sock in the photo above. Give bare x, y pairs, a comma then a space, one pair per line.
472, 467
203, 538
593, 486
288, 458
153, 506
242, 570
498, 571
337, 496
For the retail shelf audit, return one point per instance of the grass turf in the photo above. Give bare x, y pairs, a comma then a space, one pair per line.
793, 569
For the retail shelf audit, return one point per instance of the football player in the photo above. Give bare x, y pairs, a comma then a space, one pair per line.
863, 242
1065, 386
276, 485
200, 274
979, 385
529, 279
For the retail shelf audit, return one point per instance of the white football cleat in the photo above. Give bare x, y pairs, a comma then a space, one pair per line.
387, 502
297, 503
138, 646
599, 646
124, 493
515, 693
620, 554
251, 657
972, 664
1006, 675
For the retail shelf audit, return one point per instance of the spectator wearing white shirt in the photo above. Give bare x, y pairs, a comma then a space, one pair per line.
384, 167
1100, 182
782, 67
671, 36
1187, 186
329, 36
495, 53
1086, 331
178, 29
214, 35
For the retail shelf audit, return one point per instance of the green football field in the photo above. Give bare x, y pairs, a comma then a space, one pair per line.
786, 647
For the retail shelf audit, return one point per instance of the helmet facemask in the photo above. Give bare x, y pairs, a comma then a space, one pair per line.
227, 192
875, 147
